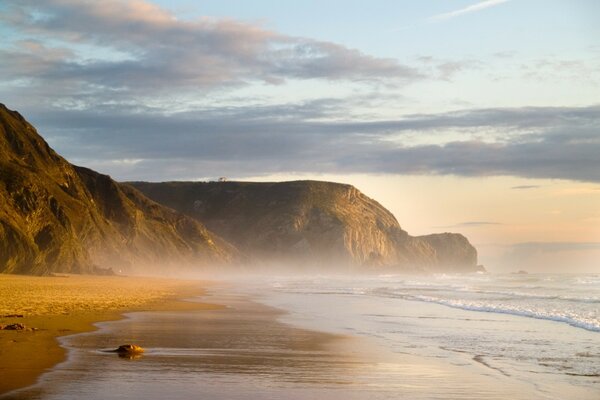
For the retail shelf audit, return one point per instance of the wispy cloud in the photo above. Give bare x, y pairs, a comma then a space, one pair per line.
524, 187
466, 10
468, 224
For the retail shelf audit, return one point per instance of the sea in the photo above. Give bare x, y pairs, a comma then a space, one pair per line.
476, 336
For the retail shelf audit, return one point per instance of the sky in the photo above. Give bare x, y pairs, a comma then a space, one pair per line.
476, 116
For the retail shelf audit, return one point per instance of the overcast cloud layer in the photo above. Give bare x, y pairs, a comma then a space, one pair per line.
86, 73
544, 143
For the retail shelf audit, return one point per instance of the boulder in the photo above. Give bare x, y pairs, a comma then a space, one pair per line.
129, 349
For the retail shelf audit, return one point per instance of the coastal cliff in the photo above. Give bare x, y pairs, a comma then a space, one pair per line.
56, 217
311, 223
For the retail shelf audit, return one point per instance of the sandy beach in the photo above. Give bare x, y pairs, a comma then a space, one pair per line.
64, 305
238, 340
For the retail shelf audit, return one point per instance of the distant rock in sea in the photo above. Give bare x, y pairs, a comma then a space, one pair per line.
520, 272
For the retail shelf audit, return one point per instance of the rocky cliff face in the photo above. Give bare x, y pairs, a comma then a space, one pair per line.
453, 252
55, 217
311, 223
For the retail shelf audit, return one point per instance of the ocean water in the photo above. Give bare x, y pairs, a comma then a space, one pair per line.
539, 329
479, 336
571, 299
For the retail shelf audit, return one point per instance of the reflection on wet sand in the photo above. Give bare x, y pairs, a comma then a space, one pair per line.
239, 352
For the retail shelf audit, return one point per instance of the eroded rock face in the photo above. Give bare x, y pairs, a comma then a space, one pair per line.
55, 217
310, 222
453, 251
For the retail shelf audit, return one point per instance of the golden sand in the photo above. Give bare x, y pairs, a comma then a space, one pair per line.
64, 305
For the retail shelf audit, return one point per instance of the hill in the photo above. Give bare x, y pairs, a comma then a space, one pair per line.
56, 217
311, 223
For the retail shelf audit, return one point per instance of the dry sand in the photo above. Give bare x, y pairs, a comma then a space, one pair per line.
64, 305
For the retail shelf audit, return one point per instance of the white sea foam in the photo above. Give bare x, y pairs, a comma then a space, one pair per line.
563, 298
591, 324
465, 314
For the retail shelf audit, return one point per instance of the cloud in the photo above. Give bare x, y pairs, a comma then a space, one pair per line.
467, 10
468, 224
445, 69
137, 48
553, 69
542, 142
106, 83
523, 187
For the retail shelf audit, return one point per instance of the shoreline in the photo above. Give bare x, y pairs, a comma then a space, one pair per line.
468, 341
247, 349
60, 306
241, 339
258, 343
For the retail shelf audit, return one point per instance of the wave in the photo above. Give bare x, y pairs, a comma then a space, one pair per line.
578, 322
589, 300
559, 301
535, 296
434, 286
588, 280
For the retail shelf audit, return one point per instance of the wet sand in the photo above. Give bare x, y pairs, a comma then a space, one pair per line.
65, 305
244, 351
245, 339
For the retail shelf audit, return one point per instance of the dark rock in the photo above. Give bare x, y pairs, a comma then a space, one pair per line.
520, 272
129, 349
14, 327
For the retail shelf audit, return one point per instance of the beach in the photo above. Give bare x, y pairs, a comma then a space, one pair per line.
52, 307
245, 351
332, 338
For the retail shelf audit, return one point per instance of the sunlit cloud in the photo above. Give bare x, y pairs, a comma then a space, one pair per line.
76, 42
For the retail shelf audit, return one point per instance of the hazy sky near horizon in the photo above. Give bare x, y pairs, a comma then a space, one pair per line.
478, 116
